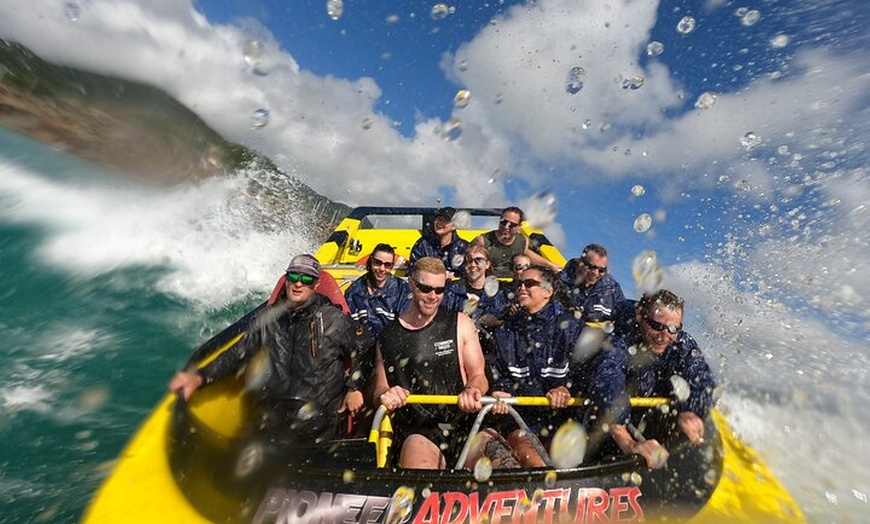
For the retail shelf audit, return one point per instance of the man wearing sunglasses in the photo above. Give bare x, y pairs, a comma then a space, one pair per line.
659, 360
377, 297
297, 385
478, 295
442, 242
590, 287
432, 351
506, 241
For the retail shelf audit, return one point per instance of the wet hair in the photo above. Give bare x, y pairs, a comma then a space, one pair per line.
662, 297
594, 248
514, 209
429, 265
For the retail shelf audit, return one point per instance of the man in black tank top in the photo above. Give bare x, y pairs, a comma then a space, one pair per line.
429, 351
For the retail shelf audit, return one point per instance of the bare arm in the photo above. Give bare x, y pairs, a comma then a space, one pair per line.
655, 454
391, 397
472, 365
537, 259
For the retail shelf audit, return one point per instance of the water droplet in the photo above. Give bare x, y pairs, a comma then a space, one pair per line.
550, 479
686, 24
491, 285
259, 118
706, 100
451, 130
72, 11
92, 399
569, 445
659, 457
638, 190
588, 344
751, 17
347, 477
494, 176
710, 476
779, 41
252, 51
740, 12
439, 11
334, 8
463, 65
249, 459
636, 478
647, 273
462, 98
634, 83
482, 469
655, 48
401, 505
540, 209
392, 19
681, 387
575, 80
308, 411
462, 220
367, 123
750, 141
642, 223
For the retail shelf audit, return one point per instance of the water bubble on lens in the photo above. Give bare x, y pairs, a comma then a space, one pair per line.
252, 51
401, 505
491, 285
681, 388
541, 209
494, 176
575, 80
482, 469
347, 476
686, 25
634, 83
569, 445
638, 190
451, 130
392, 19
259, 118
439, 11
655, 48
258, 371
643, 222
72, 11
647, 273
462, 98
456, 261
308, 411
740, 12
706, 100
659, 457
249, 459
463, 65
550, 479
462, 220
711, 476
588, 343
92, 399
636, 478
751, 17
334, 8
367, 123
750, 141
779, 41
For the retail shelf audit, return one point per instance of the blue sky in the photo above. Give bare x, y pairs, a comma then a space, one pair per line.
357, 105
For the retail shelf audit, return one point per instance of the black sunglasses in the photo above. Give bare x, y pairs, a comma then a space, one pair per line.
428, 289
293, 278
673, 329
590, 266
507, 223
529, 283
378, 262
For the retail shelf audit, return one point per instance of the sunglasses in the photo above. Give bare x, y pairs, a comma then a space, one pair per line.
298, 277
378, 263
592, 267
658, 326
480, 261
507, 223
521, 267
529, 283
423, 288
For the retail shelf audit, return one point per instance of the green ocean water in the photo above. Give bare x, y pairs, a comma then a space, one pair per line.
86, 353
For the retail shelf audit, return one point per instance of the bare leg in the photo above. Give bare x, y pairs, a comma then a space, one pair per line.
421, 453
522, 446
488, 443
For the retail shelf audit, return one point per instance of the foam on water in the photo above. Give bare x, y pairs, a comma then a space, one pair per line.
201, 234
